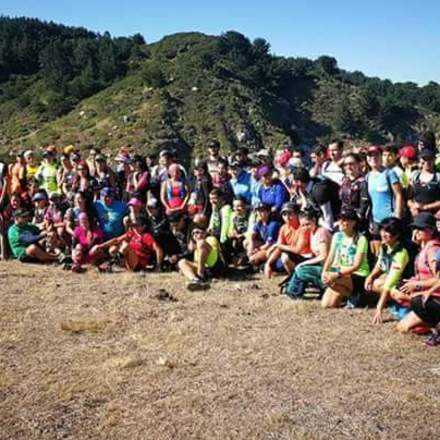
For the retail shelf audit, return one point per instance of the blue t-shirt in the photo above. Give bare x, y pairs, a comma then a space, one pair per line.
275, 195
111, 218
381, 193
267, 232
242, 186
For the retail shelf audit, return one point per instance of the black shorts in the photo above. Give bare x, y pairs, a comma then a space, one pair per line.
216, 270
429, 311
27, 259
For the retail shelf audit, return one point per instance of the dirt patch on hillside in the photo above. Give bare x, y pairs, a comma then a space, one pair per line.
125, 356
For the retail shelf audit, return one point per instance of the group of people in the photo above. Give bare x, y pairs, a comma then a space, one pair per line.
358, 225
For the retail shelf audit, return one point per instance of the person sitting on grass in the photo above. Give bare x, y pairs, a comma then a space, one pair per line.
137, 247
419, 292
264, 236
221, 214
25, 241
390, 266
346, 267
6, 220
110, 213
308, 273
208, 260
293, 245
85, 239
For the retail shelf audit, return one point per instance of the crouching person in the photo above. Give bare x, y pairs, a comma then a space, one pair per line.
137, 247
308, 273
390, 266
346, 266
85, 241
24, 240
208, 260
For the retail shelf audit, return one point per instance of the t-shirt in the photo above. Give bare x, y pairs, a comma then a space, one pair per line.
47, 175
274, 195
393, 264
345, 250
381, 193
332, 171
85, 240
321, 235
267, 232
20, 237
111, 217
214, 253
242, 186
142, 245
290, 235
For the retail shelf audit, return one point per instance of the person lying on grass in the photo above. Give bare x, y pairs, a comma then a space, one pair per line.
137, 247
208, 260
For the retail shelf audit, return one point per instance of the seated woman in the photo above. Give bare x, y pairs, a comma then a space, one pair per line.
293, 245
392, 261
346, 267
421, 292
264, 236
85, 238
6, 220
136, 211
208, 260
137, 247
308, 273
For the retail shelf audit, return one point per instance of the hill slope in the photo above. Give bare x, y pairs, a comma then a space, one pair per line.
189, 88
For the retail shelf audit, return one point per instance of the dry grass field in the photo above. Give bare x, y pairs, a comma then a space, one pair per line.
126, 356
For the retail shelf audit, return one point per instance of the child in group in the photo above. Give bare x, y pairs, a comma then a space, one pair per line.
236, 234
41, 204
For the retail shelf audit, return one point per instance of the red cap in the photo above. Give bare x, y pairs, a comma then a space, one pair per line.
408, 151
374, 149
283, 158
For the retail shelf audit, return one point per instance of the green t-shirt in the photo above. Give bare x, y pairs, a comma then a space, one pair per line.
20, 237
392, 264
345, 251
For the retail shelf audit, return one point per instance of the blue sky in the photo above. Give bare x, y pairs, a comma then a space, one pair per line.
399, 40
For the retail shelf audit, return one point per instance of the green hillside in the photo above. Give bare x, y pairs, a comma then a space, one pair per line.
74, 86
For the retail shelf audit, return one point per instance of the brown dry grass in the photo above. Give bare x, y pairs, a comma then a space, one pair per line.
108, 356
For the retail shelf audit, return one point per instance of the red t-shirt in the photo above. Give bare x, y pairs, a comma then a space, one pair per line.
142, 245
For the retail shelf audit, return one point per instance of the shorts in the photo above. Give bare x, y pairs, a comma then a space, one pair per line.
27, 259
216, 270
429, 311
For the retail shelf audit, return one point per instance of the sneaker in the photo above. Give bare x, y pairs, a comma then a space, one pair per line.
433, 340
105, 268
197, 284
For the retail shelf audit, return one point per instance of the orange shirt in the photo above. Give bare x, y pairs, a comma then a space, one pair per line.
292, 236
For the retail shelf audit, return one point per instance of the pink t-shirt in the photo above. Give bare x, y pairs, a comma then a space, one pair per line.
86, 239
321, 235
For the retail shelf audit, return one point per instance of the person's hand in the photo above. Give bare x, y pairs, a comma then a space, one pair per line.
377, 317
368, 284
408, 286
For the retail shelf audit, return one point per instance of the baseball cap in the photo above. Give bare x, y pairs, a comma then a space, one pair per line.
262, 207
373, 150
424, 220
348, 214
107, 191
134, 202
21, 213
289, 207
28, 153
39, 196
264, 170
409, 152
427, 153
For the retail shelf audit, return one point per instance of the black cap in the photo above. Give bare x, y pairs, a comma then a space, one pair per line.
424, 220
21, 213
427, 153
290, 207
348, 214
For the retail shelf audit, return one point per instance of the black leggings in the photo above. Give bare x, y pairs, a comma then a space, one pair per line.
429, 311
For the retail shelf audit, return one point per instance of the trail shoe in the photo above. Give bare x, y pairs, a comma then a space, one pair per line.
197, 284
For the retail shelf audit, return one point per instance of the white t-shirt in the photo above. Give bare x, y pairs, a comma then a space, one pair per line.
332, 171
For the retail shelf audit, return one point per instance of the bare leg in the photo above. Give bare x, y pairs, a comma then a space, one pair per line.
188, 269
36, 252
410, 321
